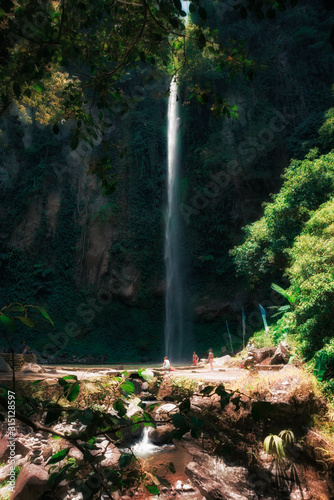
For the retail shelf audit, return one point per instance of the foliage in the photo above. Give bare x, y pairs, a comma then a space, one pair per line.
87, 475
101, 43
307, 184
275, 445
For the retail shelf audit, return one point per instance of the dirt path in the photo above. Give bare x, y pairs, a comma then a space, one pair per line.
223, 375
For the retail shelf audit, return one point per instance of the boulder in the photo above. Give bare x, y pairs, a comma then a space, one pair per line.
218, 482
110, 451
31, 483
4, 367
20, 449
32, 368
263, 353
281, 355
161, 435
221, 361
164, 412
249, 361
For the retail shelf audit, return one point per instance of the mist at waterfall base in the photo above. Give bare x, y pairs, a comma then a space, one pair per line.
176, 335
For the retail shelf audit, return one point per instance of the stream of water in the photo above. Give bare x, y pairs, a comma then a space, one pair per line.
174, 324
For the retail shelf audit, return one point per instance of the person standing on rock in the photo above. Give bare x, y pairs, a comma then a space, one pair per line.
195, 359
210, 359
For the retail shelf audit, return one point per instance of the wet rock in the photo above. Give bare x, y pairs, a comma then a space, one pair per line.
218, 482
161, 435
31, 483
281, 355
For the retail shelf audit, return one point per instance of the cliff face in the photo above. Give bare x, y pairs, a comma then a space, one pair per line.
97, 261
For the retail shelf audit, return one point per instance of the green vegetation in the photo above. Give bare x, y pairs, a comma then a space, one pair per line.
295, 239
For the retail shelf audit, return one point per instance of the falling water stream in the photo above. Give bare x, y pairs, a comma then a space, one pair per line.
174, 324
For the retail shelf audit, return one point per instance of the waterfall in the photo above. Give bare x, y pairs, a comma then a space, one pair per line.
174, 324
144, 448
175, 271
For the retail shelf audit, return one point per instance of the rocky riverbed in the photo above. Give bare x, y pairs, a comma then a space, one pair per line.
226, 462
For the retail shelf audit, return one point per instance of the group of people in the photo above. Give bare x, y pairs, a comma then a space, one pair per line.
167, 366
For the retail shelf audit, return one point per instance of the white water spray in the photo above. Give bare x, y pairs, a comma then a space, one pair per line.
144, 448
174, 273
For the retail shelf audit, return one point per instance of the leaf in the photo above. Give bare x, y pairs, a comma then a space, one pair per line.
192, 8
8, 322
58, 456
37, 382
44, 313
208, 389
171, 467
236, 402
39, 87
86, 416
55, 129
197, 422
178, 4
124, 460
120, 408
185, 405
73, 392
179, 421
128, 387
52, 417
151, 488
16, 309
26, 321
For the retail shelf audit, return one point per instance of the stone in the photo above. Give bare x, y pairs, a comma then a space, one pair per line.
249, 361
51, 381
262, 354
220, 483
20, 449
221, 361
166, 409
161, 435
32, 368
31, 483
281, 355
47, 452
4, 367
138, 385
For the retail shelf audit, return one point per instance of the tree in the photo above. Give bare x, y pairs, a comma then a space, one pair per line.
67, 58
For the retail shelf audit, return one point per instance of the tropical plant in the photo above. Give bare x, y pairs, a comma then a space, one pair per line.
276, 445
